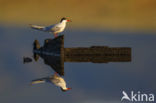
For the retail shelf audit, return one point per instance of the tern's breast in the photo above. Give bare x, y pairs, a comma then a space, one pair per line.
62, 27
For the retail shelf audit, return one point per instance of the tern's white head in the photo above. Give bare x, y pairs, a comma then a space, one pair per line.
65, 20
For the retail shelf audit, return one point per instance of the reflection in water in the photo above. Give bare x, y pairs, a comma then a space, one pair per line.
55, 79
97, 54
27, 60
54, 54
51, 53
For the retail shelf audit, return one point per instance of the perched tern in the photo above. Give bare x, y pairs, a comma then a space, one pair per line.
55, 29
55, 79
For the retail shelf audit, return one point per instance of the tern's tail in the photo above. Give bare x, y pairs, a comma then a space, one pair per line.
41, 80
37, 27
38, 81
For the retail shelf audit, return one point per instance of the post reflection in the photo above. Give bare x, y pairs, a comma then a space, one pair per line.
54, 54
51, 53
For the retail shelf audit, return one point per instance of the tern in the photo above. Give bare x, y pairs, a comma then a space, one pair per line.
55, 29
55, 79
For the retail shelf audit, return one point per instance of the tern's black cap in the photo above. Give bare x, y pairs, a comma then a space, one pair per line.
63, 90
63, 19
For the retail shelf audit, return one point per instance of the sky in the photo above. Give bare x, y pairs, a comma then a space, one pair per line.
109, 14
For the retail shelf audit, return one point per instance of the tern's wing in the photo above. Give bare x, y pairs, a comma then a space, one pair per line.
54, 28
59, 82
37, 27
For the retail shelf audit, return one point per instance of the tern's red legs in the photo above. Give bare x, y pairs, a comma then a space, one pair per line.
55, 35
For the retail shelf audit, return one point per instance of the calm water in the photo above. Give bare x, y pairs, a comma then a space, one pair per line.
90, 82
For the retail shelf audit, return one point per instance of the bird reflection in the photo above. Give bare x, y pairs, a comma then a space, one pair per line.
27, 60
54, 54
55, 79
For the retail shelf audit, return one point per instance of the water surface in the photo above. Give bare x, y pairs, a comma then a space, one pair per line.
90, 82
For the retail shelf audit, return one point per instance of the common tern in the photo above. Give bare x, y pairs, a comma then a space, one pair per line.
55, 29
55, 79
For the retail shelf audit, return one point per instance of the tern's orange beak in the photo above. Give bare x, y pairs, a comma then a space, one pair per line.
69, 88
64, 90
69, 21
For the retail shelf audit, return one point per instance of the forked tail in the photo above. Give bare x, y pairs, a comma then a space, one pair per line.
37, 81
42, 80
37, 27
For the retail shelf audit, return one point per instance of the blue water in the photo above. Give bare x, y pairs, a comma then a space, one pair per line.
90, 82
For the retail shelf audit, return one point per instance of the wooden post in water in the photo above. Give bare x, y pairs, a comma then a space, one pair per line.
97, 54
